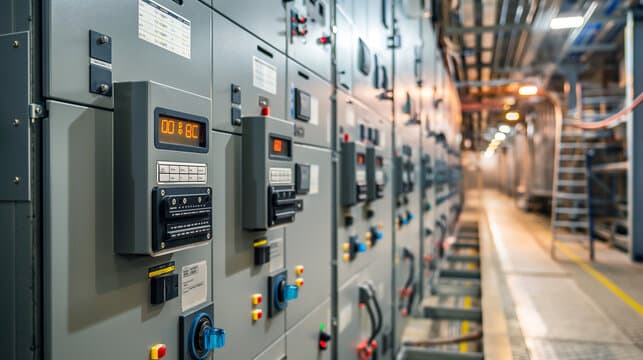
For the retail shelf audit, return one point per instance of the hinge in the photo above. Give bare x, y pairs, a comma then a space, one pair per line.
36, 111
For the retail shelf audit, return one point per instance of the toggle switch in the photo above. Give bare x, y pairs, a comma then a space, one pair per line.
158, 351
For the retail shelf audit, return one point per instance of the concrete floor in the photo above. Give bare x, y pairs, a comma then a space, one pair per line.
536, 307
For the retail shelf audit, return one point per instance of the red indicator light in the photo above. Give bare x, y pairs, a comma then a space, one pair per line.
346, 137
323, 344
265, 111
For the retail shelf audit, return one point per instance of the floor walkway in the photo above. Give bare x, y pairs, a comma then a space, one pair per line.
563, 308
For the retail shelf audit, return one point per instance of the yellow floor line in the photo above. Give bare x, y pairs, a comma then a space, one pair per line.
464, 327
602, 279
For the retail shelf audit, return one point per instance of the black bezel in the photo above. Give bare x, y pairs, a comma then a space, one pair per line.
298, 113
272, 155
181, 115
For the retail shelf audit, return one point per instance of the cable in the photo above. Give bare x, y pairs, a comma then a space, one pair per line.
378, 309
612, 119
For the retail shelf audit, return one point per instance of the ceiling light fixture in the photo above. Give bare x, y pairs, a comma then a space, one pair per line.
500, 136
566, 22
527, 90
512, 116
505, 129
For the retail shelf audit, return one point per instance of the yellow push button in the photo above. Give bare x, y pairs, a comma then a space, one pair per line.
347, 246
257, 314
299, 282
257, 299
347, 257
299, 269
158, 351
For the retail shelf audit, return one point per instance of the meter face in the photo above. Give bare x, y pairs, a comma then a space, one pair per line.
179, 131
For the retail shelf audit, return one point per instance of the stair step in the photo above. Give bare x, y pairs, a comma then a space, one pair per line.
571, 157
570, 196
571, 211
571, 237
572, 170
571, 224
572, 145
579, 183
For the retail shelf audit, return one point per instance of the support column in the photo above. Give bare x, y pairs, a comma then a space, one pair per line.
634, 78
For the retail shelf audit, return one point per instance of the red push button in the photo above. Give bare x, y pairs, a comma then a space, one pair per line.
158, 351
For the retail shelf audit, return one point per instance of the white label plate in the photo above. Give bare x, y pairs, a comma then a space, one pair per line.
314, 111
276, 254
194, 285
314, 179
264, 75
164, 28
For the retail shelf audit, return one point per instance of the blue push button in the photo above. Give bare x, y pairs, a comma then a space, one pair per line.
379, 235
291, 292
214, 338
361, 247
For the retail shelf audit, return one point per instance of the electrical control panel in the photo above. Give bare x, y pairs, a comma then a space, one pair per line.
161, 165
268, 173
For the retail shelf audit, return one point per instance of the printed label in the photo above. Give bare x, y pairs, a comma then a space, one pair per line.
360, 176
164, 28
314, 111
314, 179
264, 75
350, 116
276, 254
194, 286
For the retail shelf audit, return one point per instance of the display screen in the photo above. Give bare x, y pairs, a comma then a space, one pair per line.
361, 159
177, 131
279, 146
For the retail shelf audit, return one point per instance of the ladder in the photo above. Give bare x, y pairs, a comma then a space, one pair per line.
570, 214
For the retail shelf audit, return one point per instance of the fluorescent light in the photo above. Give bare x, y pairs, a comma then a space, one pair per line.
566, 22
505, 129
512, 116
500, 136
527, 90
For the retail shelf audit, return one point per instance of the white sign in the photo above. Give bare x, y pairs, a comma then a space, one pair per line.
264, 75
164, 28
194, 285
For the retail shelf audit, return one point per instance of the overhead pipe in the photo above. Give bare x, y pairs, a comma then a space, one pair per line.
512, 38
518, 54
500, 37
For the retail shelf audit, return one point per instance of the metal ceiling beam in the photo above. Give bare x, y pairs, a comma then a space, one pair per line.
593, 47
482, 29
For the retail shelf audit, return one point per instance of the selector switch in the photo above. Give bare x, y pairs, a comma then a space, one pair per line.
353, 247
198, 335
280, 293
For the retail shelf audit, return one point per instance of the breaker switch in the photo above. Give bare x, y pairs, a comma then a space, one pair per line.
158, 351
324, 339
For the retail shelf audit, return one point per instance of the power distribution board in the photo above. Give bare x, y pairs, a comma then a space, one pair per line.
222, 179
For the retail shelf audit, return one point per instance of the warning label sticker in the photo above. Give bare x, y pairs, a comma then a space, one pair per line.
194, 285
264, 75
164, 28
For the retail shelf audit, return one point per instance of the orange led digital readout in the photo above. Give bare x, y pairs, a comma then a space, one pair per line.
277, 145
361, 159
180, 132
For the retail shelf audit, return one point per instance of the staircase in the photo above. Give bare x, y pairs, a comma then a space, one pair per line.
570, 217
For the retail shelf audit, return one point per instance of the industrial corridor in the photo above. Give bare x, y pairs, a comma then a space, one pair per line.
321, 179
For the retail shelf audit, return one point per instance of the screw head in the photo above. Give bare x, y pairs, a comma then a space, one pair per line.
208, 236
162, 192
208, 191
16, 180
15, 44
16, 122
103, 39
103, 88
163, 245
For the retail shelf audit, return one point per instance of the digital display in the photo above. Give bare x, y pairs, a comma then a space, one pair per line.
361, 159
279, 146
175, 131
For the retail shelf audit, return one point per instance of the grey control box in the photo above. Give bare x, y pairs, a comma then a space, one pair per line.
375, 174
354, 185
269, 195
163, 202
